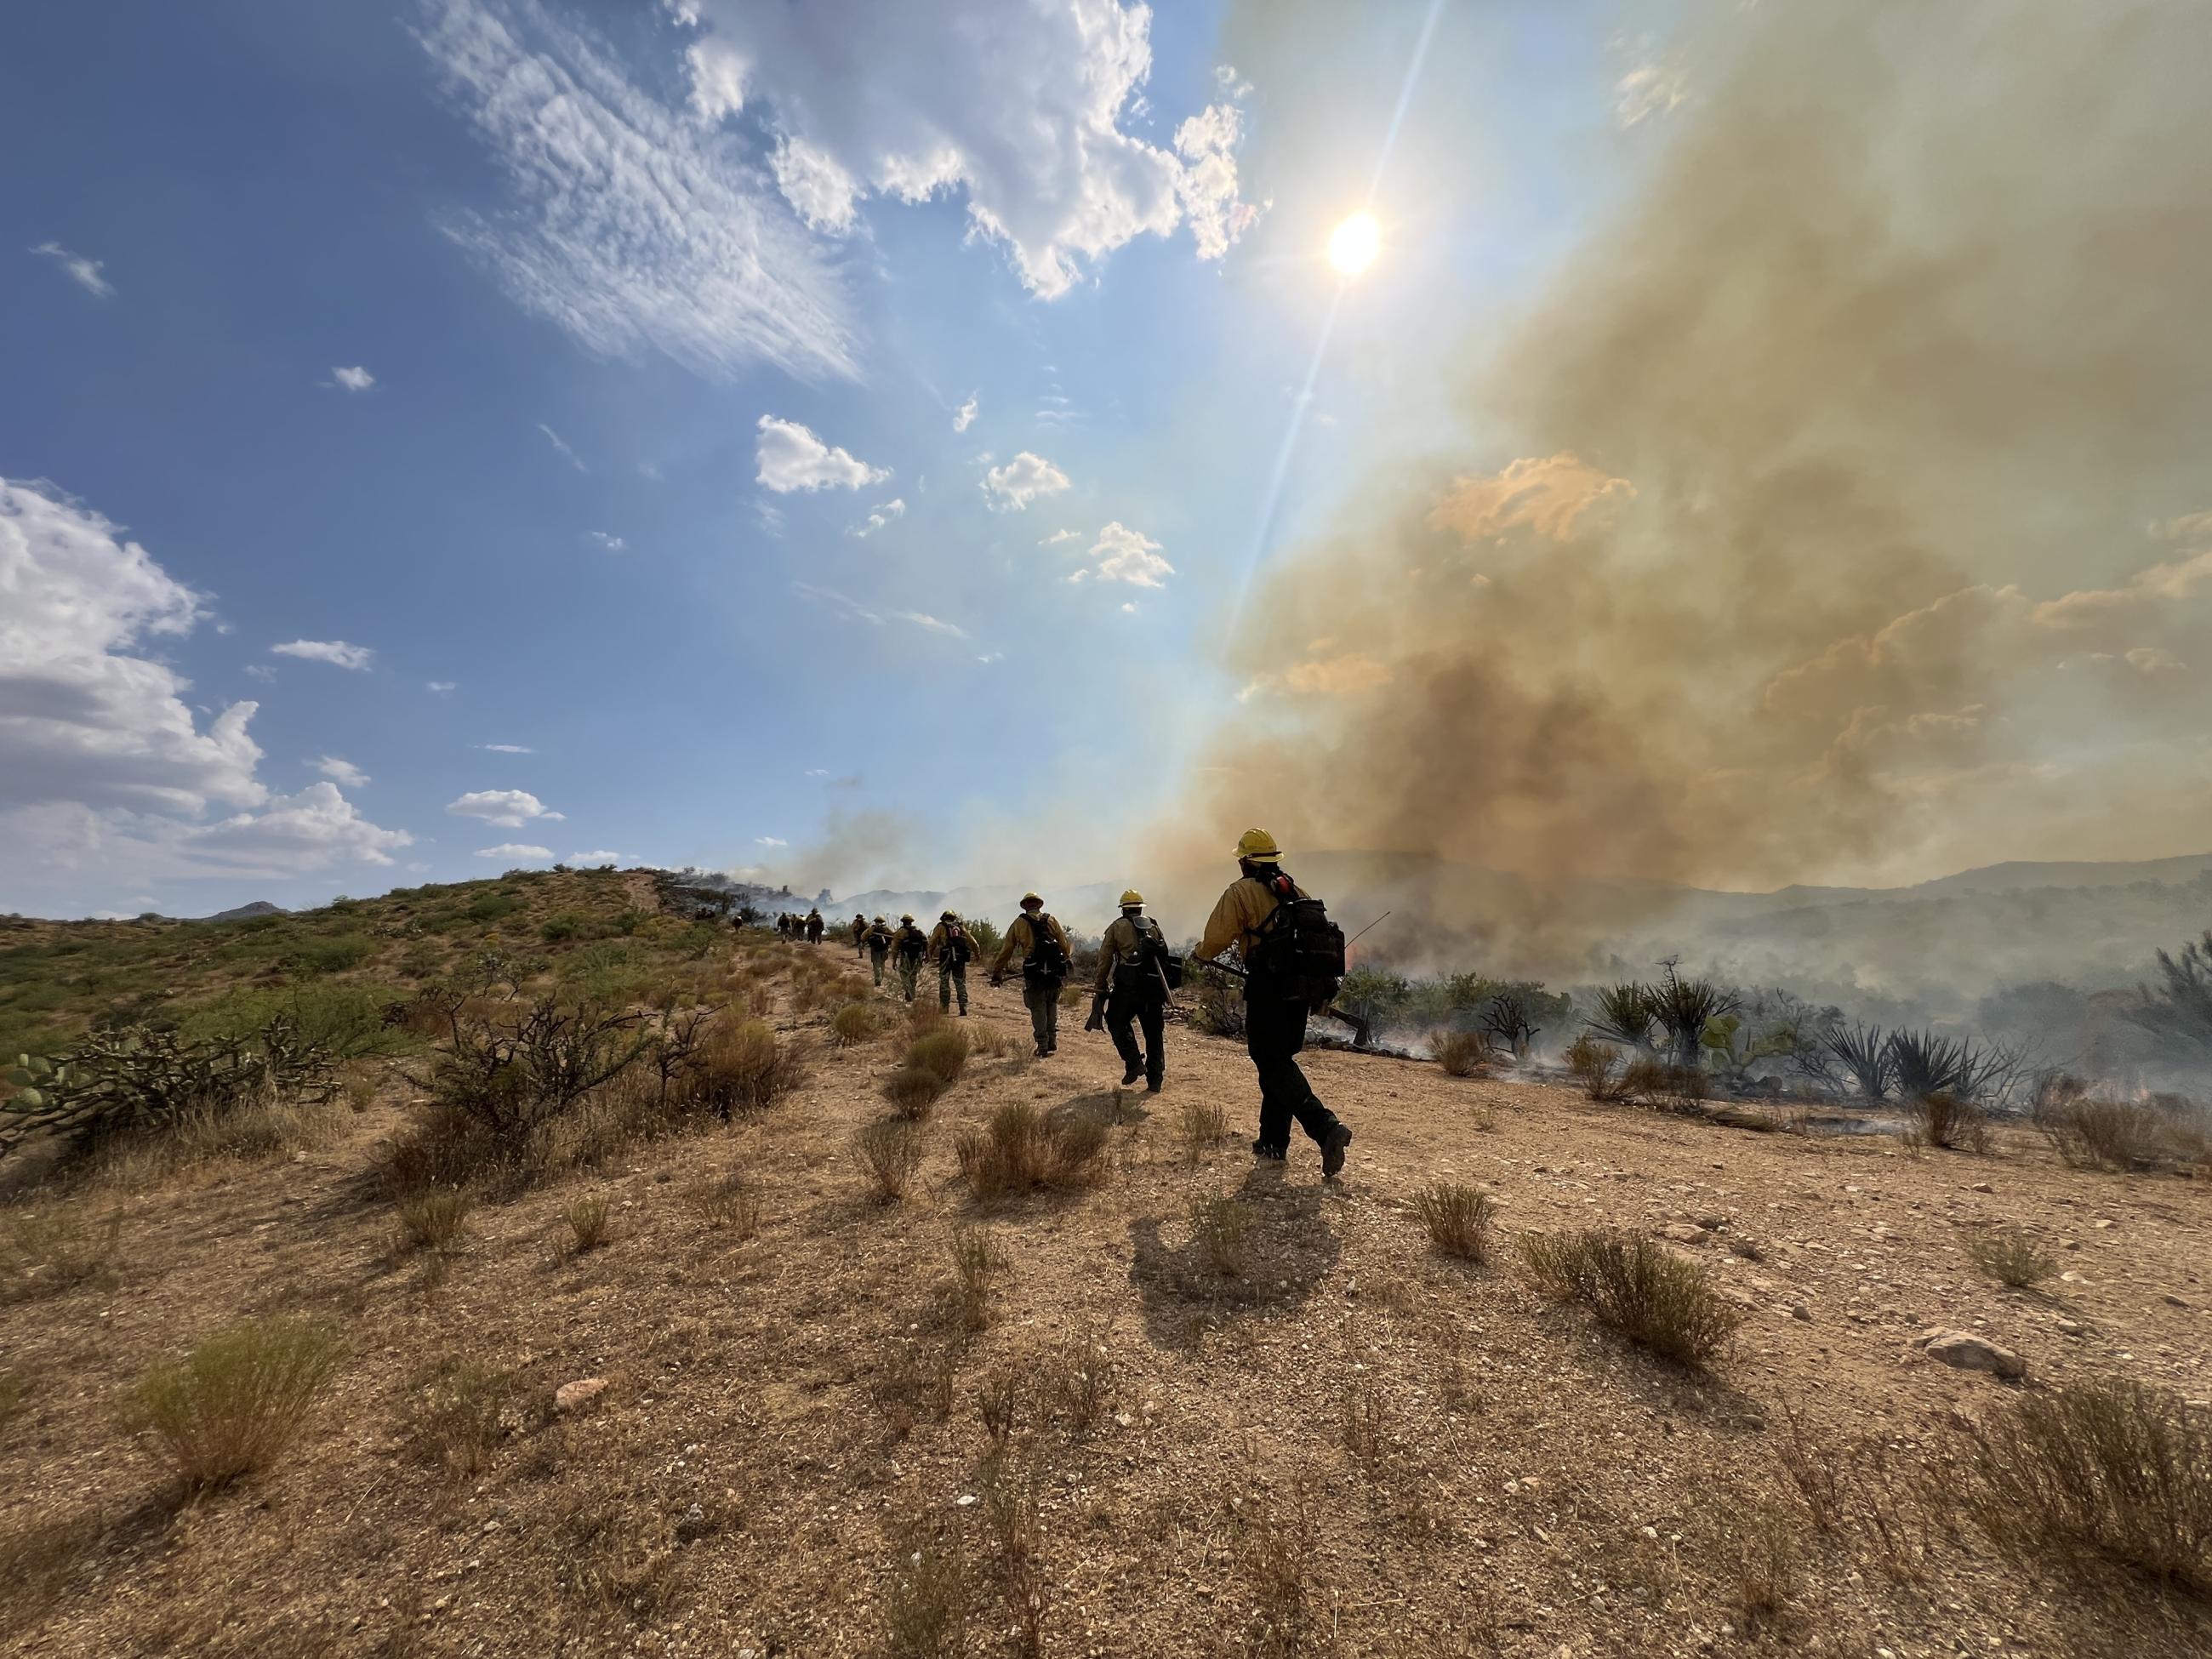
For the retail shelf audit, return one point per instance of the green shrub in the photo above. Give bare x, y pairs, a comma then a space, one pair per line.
1633, 1285
235, 1402
912, 1091
853, 1023
334, 955
943, 1054
494, 906
561, 926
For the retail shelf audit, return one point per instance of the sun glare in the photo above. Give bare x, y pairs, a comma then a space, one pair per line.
1352, 245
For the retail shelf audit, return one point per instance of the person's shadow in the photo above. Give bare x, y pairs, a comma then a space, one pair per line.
1264, 1247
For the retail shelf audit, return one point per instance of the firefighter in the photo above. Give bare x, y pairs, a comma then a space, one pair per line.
879, 947
951, 950
910, 944
1275, 1005
859, 936
814, 927
1132, 989
1047, 956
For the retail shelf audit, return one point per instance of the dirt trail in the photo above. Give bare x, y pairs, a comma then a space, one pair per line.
1432, 1458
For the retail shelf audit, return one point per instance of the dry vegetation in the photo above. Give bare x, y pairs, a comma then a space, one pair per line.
604, 1302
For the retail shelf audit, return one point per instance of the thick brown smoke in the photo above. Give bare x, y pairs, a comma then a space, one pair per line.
1837, 517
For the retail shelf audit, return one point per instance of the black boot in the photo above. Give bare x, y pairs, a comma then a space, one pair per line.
1130, 1075
1333, 1150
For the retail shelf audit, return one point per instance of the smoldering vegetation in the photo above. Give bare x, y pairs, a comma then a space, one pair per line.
1838, 514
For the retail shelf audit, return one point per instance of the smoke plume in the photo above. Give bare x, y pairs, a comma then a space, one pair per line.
1840, 512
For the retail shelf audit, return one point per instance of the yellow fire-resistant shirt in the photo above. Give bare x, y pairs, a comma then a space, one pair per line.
1120, 945
938, 941
1021, 936
1236, 918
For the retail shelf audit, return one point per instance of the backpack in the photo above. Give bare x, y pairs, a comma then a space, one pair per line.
879, 938
958, 945
912, 942
1046, 960
1136, 975
1299, 951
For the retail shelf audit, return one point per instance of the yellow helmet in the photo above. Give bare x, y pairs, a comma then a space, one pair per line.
1028, 899
908, 918
1259, 847
1132, 897
949, 917
879, 921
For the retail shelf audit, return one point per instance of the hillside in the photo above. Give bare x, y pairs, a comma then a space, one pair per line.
1170, 1405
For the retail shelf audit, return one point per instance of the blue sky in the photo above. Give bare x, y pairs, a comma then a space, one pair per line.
301, 308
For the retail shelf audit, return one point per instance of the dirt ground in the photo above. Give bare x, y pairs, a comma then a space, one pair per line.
1358, 1447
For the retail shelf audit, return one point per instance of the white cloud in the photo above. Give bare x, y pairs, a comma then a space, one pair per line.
635, 226
83, 717
1124, 556
84, 272
337, 652
260, 670
507, 749
1012, 487
1017, 103
440, 687
105, 771
508, 809
561, 443
852, 608
601, 856
818, 771
792, 457
934, 624
770, 841
612, 543
992, 656
1649, 89
514, 849
351, 380
1058, 536
964, 417
882, 515
341, 771
1207, 185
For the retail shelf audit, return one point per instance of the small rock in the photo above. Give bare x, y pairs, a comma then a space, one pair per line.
1799, 1310
2071, 1277
1982, 1186
1967, 1352
2069, 1327
966, 1500
2103, 1225
569, 1396
2173, 1301
1681, 1233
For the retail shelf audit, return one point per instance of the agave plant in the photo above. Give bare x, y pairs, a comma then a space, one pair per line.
1684, 1007
1864, 1052
1624, 1014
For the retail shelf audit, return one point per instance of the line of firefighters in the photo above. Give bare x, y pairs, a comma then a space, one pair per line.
1136, 976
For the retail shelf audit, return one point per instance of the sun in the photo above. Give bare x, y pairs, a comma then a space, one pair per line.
1353, 244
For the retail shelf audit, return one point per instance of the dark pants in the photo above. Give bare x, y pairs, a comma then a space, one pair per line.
1041, 997
1149, 1012
909, 971
1274, 1031
876, 957
950, 976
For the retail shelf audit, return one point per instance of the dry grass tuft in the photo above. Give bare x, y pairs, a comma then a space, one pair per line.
727, 1203
852, 1024
976, 1261
925, 1605
744, 1068
457, 1421
914, 1092
235, 1402
989, 1041
1461, 1053
915, 1381
1019, 1148
1943, 1119
2011, 1255
2109, 1468
13, 1390
1654, 1298
942, 1052
590, 1225
1203, 1126
434, 1218
2089, 1133
1595, 1067
1075, 1380
1221, 1228
43, 1252
890, 1150
1458, 1218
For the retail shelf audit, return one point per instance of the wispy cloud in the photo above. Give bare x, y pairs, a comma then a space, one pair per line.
1058, 536
880, 516
355, 378
440, 687
636, 226
514, 849
847, 606
964, 417
601, 856
506, 749
337, 652
771, 841
84, 272
341, 771
561, 443
612, 543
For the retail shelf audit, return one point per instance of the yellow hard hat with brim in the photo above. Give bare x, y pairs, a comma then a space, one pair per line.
1132, 897
1028, 899
1258, 846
